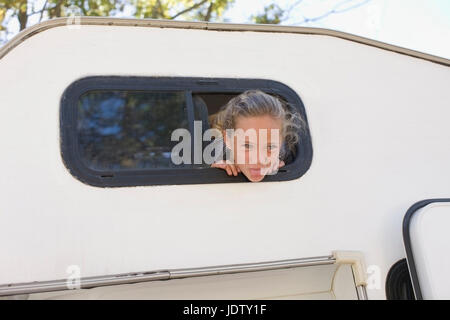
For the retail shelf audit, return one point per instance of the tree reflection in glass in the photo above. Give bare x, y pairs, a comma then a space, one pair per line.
129, 130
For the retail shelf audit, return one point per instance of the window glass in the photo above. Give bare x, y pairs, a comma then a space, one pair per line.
122, 130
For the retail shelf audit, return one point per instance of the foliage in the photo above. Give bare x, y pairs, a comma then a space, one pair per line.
23, 10
272, 15
27, 12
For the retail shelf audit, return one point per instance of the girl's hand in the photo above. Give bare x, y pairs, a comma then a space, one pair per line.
228, 166
274, 168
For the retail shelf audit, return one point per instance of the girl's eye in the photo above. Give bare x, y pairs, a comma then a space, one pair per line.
271, 147
247, 146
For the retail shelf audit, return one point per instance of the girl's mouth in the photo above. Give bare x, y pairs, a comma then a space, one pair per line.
256, 172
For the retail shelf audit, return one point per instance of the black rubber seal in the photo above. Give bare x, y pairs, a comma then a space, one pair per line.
398, 282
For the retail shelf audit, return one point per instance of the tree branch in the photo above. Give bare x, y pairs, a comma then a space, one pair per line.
189, 9
334, 10
160, 8
209, 12
42, 11
22, 15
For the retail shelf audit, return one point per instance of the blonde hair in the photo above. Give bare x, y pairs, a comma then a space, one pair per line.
253, 103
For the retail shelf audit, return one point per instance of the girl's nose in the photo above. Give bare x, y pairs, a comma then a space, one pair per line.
263, 160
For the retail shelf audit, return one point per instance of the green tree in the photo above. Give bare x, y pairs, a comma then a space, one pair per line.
272, 14
22, 10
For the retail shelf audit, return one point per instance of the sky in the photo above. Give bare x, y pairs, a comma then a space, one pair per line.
422, 25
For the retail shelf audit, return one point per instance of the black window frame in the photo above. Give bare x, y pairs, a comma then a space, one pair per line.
192, 175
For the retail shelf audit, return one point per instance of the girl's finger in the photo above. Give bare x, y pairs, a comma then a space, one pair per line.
281, 164
231, 169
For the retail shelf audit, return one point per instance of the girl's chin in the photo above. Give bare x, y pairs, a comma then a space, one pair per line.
254, 175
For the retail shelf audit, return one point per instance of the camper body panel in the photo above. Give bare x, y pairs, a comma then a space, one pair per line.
379, 128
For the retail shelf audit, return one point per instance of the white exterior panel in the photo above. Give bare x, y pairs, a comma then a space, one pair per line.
380, 131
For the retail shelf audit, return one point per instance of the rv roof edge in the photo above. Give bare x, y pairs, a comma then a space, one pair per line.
107, 21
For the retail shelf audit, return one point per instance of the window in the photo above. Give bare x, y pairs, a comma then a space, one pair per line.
116, 131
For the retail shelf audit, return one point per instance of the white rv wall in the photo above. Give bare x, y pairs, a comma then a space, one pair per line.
379, 126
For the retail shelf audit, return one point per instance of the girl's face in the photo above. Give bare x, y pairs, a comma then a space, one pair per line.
257, 144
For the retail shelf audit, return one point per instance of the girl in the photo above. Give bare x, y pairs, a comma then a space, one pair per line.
259, 131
